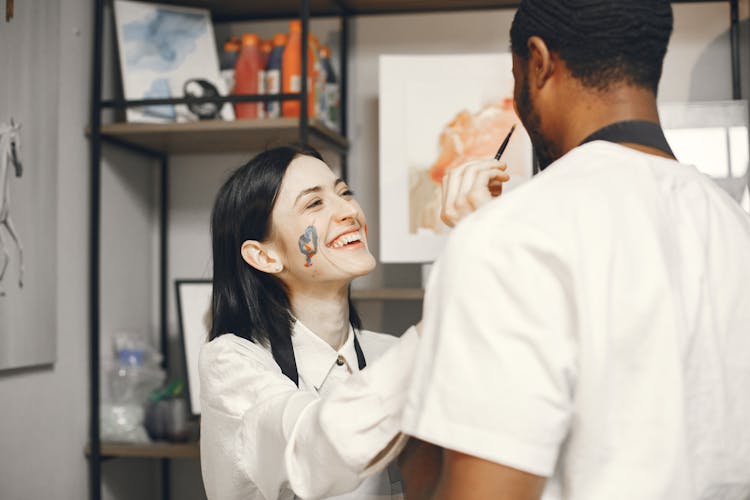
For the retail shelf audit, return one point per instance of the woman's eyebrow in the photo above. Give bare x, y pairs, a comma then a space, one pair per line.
314, 189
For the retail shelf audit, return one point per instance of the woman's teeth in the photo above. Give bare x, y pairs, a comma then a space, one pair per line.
345, 240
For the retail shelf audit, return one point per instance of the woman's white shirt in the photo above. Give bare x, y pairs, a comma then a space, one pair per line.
262, 437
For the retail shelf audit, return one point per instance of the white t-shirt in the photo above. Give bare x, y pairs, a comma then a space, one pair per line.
593, 326
262, 437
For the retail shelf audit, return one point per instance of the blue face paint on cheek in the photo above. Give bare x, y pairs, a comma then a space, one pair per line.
308, 244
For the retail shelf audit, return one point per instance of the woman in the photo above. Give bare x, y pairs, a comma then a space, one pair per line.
277, 419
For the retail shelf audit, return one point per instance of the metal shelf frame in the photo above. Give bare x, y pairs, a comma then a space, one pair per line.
97, 451
345, 10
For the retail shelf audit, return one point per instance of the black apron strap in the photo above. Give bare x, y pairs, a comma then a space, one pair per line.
283, 354
644, 133
360, 355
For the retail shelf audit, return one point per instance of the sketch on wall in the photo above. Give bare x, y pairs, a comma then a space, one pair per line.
29, 166
27, 268
436, 113
161, 48
10, 166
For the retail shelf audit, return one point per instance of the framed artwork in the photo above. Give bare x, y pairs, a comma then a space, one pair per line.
34, 226
438, 112
714, 137
161, 48
193, 314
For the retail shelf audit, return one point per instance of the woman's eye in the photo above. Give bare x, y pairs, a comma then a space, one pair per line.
347, 192
314, 203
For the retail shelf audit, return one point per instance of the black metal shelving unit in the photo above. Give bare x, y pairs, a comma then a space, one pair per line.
157, 142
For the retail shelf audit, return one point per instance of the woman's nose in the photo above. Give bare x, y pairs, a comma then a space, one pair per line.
345, 210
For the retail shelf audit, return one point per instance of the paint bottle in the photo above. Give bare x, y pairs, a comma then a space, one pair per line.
273, 74
228, 59
291, 72
331, 92
266, 46
249, 77
318, 78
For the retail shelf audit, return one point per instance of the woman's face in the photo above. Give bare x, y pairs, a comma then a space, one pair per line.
317, 227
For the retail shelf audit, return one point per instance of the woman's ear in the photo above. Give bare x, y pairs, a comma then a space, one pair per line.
261, 256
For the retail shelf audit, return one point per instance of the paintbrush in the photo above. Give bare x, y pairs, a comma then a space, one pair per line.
504, 145
495, 186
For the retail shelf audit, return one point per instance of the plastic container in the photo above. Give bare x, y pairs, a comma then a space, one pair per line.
134, 374
331, 91
249, 77
291, 72
273, 74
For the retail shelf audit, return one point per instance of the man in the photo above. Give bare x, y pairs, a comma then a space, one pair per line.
586, 336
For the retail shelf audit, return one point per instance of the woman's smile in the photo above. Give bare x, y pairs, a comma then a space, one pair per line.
349, 240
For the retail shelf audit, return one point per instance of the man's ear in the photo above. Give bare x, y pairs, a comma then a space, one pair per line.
261, 256
541, 63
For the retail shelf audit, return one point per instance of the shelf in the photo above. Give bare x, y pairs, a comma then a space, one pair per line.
388, 294
224, 10
148, 450
214, 136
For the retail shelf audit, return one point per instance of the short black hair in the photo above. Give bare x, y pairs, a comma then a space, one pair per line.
601, 41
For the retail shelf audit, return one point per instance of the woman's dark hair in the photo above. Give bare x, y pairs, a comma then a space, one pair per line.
601, 41
246, 302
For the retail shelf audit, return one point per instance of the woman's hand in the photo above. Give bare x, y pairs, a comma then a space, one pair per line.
469, 186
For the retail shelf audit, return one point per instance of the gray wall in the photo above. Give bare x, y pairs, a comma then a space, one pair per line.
43, 423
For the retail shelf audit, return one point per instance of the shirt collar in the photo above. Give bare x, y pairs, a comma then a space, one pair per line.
315, 358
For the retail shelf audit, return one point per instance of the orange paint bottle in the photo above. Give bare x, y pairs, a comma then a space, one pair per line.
291, 72
249, 77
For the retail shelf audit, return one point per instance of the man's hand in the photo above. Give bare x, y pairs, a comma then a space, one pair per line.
470, 186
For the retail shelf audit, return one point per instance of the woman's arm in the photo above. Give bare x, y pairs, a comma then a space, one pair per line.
260, 433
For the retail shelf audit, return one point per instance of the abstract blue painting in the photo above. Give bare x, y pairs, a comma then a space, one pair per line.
160, 48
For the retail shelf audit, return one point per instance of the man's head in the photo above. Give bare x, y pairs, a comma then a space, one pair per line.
582, 48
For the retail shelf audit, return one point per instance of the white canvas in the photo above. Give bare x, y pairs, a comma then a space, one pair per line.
194, 300
160, 48
437, 112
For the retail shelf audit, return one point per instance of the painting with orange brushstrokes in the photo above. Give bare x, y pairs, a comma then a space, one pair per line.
437, 113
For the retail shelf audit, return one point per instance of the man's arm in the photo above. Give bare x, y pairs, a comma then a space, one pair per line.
432, 473
466, 477
420, 464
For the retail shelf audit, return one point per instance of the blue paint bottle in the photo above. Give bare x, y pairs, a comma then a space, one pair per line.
273, 74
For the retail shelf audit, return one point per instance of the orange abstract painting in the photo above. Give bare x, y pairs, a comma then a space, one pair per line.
431, 121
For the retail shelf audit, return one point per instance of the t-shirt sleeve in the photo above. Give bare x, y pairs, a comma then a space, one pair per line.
495, 373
